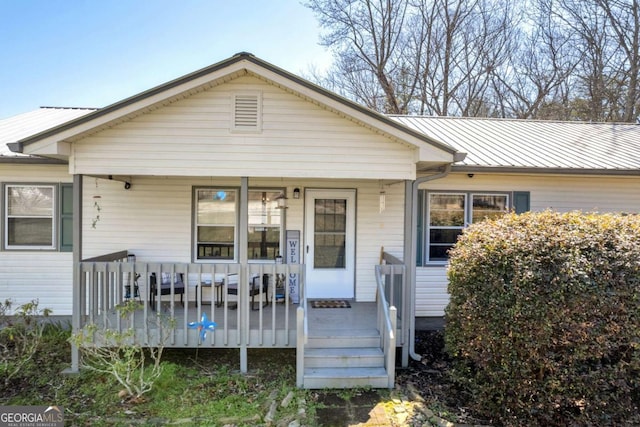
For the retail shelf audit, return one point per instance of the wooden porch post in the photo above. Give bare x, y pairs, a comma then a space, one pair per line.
409, 261
243, 248
77, 257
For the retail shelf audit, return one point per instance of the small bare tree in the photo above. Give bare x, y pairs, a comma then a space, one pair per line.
20, 336
120, 353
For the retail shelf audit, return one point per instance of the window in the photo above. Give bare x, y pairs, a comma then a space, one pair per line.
449, 213
216, 219
265, 228
29, 216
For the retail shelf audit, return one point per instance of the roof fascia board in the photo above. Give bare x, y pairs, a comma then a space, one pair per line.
544, 171
32, 160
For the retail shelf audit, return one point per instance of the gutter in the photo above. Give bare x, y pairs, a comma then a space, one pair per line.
441, 173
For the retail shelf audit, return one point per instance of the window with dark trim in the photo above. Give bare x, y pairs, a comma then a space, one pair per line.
216, 216
216, 224
265, 225
30, 216
444, 215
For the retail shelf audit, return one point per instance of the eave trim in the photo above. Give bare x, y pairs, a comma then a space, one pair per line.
544, 170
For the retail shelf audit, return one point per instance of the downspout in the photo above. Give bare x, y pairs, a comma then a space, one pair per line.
411, 260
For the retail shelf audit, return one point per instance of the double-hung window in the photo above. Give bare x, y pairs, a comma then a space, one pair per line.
448, 213
265, 225
30, 216
216, 224
216, 217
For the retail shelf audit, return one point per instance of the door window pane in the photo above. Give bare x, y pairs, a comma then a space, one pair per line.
330, 219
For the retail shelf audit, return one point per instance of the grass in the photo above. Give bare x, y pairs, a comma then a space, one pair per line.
197, 387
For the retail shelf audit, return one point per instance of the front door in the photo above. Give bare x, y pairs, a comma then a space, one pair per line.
330, 225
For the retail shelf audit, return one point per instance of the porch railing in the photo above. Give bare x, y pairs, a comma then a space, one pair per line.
393, 281
108, 281
387, 315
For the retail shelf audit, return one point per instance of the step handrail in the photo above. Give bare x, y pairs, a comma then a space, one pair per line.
302, 329
387, 317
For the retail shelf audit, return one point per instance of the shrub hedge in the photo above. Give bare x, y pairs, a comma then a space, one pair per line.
544, 318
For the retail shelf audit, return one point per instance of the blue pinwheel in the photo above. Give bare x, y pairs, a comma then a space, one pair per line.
202, 326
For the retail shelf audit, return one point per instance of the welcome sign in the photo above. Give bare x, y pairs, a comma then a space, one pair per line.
293, 257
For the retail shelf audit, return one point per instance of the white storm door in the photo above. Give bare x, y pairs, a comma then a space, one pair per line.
330, 225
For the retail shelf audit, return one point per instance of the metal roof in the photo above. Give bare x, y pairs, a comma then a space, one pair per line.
504, 144
31, 123
507, 144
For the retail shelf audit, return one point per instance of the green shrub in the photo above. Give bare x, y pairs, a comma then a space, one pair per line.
544, 318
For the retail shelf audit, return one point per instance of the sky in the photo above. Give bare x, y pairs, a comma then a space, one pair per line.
92, 53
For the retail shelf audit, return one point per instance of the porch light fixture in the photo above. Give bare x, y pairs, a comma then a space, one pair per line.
383, 201
296, 193
282, 201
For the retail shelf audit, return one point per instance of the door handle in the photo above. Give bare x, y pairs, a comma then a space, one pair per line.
307, 248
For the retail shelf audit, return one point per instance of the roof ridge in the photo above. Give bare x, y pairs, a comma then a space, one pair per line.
48, 107
508, 119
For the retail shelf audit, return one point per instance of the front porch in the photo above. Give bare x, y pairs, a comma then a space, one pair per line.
336, 347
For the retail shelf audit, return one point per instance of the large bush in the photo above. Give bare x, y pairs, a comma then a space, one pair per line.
544, 318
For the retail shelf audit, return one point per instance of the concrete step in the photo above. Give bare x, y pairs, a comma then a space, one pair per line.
341, 338
318, 378
340, 357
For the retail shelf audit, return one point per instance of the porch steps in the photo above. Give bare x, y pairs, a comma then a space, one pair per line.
344, 359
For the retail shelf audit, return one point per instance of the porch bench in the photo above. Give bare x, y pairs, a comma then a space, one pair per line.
165, 287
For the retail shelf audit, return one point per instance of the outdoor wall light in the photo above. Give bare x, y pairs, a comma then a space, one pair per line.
296, 193
282, 201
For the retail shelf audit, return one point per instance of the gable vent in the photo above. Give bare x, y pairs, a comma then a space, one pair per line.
247, 112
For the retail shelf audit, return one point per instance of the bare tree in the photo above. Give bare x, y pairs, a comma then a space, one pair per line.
536, 72
366, 37
551, 59
624, 20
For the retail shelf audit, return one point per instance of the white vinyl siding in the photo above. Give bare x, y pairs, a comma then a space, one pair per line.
561, 193
42, 275
193, 137
153, 219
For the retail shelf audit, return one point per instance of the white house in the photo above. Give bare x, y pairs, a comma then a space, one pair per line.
188, 176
